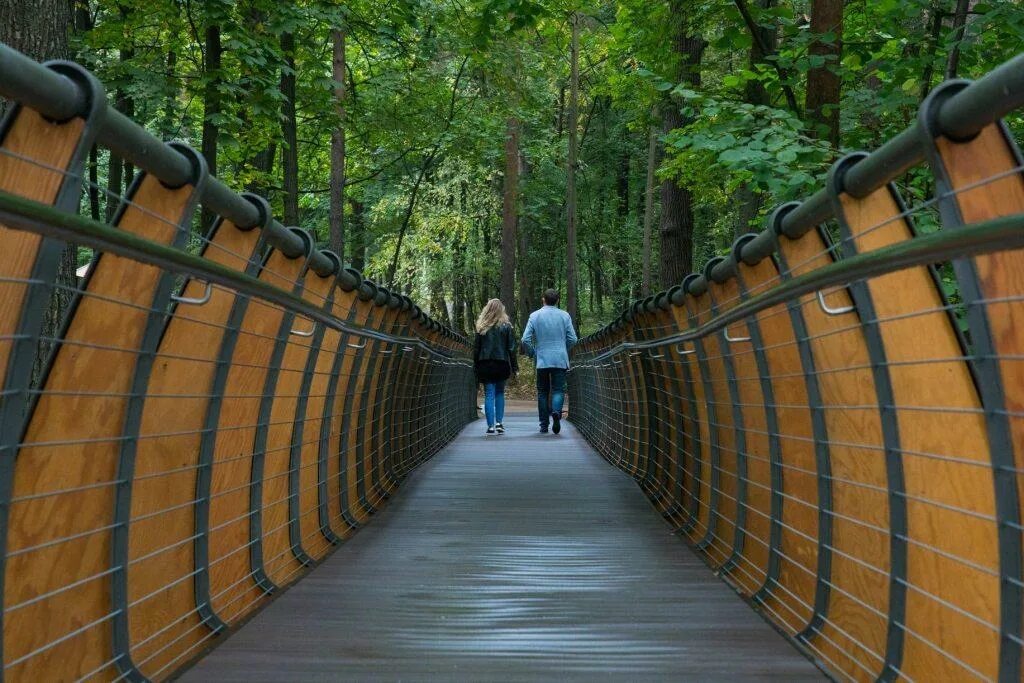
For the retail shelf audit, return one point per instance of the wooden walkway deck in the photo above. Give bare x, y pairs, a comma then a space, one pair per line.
514, 558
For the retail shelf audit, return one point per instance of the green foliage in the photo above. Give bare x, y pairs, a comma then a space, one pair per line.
432, 85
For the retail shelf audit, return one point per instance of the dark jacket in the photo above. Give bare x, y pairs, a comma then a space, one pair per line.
494, 354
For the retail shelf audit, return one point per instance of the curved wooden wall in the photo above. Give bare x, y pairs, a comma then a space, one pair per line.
853, 466
188, 450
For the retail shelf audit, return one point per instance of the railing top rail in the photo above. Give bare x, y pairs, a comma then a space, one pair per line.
979, 238
25, 214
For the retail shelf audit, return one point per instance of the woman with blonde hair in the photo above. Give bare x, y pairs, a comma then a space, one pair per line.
494, 357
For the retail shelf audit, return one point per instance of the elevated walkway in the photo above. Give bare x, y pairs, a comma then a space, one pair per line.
510, 558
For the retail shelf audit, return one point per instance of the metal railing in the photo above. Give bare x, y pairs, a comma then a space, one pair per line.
211, 421
833, 415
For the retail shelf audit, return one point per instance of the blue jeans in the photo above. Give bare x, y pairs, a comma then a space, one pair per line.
550, 393
494, 402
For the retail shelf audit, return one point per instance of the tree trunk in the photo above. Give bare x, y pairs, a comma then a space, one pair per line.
263, 165
167, 121
337, 183
959, 29
119, 173
358, 240
510, 216
823, 84
459, 287
652, 164
211, 107
527, 293
40, 29
677, 202
571, 303
289, 131
935, 15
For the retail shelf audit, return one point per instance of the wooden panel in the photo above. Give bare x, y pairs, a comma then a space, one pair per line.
754, 462
59, 534
380, 405
791, 602
279, 557
368, 485
314, 542
854, 635
344, 308
989, 166
164, 623
352, 379
700, 432
233, 590
49, 146
723, 461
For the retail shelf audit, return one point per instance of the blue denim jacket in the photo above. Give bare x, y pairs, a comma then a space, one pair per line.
549, 336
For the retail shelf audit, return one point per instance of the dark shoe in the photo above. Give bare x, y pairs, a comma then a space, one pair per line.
500, 428
490, 430
556, 422
543, 429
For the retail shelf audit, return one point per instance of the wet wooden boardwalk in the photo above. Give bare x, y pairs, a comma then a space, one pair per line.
513, 558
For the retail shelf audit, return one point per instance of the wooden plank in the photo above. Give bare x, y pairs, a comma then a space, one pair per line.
754, 480
984, 174
233, 589
33, 149
722, 441
791, 601
439, 579
163, 616
280, 559
59, 533
853, 637
701, 431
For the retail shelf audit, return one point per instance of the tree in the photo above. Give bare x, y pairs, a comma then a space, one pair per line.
571, 302
823, 80
677, 222
40, 29
289, 131
337, 180
510, 216
211, 104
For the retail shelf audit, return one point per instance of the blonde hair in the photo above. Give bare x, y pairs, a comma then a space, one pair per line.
492, 315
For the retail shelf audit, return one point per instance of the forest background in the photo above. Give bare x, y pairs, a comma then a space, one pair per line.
458, 150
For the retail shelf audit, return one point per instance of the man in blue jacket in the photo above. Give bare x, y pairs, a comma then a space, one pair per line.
548, 338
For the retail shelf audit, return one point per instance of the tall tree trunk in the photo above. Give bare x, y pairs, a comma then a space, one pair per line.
823, 83
337, 188
652, 164
459, 286
959, 29
527, 294
119, 173
935, 14
571, 303
263, 164
167, 121
677, 202
358, 234
211, 106
510, 216
289, 131
40, 29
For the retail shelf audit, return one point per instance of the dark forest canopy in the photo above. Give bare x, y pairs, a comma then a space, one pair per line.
429, 140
